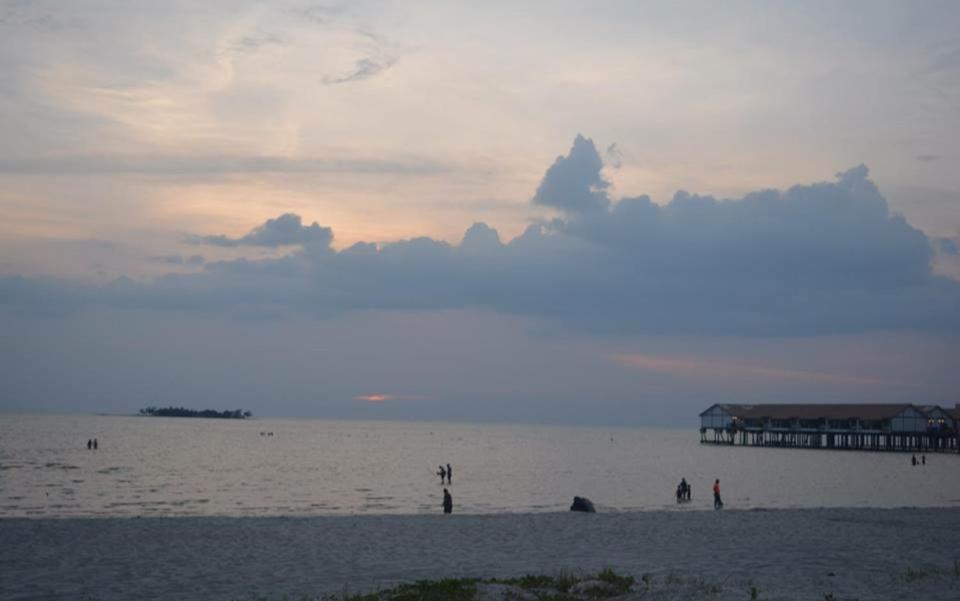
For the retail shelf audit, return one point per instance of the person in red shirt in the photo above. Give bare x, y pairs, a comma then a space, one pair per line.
717, 503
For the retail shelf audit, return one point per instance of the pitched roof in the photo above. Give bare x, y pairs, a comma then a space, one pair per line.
865, 411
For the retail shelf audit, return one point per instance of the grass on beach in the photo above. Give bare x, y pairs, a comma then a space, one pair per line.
562, 587
606, 585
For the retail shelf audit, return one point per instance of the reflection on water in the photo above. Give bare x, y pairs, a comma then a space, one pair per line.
148, 466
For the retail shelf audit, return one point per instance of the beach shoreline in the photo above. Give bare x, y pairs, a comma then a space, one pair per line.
784, 553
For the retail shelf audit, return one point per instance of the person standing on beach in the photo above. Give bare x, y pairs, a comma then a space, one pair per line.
95, 444
442, 473
923, 459
89, 444
449, 474
717, 503
913, 460
447, 501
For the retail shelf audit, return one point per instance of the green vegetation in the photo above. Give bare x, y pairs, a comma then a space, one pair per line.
184, 412
560, 583
911, 574
448, 589
562, 587
618, 584
647, 580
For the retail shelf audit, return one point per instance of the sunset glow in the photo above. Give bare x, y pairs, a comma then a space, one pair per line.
697, 368
502, 208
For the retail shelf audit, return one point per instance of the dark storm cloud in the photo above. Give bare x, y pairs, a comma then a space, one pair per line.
480, 237
574, 183
285, 230
821, 258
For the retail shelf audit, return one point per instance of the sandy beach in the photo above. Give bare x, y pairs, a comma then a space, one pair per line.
785, 554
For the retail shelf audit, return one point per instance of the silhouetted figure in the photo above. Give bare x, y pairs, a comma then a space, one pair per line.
680, 492
95, 444
89, 443
447, 501
717, 502
689, 493
913, 460
923, 459
442, 473
449, 474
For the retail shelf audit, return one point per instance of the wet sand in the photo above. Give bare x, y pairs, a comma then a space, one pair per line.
785, 554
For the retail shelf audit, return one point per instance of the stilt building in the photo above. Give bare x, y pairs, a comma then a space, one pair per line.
868, 427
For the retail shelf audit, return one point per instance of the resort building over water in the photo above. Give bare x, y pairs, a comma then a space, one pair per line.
871, 427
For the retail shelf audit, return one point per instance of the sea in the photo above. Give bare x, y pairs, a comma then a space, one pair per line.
153, 466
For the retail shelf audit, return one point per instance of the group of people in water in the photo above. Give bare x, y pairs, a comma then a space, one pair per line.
446, 474
684, 494
923, 460
92, 444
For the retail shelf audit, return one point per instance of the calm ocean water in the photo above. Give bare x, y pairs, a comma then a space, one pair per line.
171, 467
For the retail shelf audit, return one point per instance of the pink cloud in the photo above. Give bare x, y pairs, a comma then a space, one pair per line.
382, 398
695, 367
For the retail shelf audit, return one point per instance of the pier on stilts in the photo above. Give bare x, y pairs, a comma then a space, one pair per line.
862, 427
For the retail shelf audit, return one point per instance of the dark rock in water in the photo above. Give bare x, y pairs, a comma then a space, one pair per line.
583, 504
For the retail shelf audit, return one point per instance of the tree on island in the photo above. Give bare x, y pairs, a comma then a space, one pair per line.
184, 412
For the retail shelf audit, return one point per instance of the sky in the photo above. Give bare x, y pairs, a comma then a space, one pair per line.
610, 213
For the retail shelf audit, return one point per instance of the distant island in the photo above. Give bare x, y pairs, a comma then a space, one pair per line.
184, 412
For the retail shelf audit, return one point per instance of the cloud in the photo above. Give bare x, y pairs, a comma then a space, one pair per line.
697, 368
211, 165
285, 230
614, 156
480, 237
949, 246
927, 158
364, 68
319, 13
192, 260
574, 183
254, 42
382, 398
826, 257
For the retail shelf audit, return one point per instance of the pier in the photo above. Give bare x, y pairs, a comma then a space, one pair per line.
863, 427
